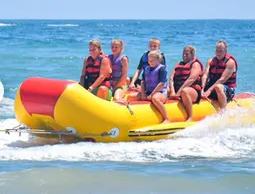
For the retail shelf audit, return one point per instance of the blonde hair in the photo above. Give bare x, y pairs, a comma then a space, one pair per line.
155, 55
118, 41
96, 43
155, 40
192, 49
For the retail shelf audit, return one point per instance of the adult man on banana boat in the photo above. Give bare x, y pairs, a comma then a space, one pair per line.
219, 79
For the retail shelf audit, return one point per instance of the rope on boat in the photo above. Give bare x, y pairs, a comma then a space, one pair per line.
129, 108
59, 133
206, 98
236, 102
127, 104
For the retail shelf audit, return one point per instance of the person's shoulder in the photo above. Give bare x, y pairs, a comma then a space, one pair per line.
146, 53
231, 61
124, 58
198, 64
87, 58
147, 69
210, 60
162, 67
231, 58
104, 55
105, 58
196, 60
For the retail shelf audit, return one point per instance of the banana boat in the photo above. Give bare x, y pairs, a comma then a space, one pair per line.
51, 106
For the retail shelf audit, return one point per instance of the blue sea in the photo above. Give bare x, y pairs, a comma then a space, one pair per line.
214, 156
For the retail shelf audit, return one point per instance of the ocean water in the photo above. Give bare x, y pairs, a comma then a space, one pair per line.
212, 157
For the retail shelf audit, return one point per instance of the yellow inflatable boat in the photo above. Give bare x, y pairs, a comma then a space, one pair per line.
50, 105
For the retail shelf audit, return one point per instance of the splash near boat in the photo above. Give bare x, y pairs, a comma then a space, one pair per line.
55, 107
1, 91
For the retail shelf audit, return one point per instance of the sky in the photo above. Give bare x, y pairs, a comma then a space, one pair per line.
127, 9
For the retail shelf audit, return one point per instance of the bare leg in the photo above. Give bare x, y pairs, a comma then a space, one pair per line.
127, 81
219, 89
133, 96
158, 100
119, 94
189, 95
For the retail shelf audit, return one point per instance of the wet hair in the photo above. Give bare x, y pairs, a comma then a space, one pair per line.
96, 43
192, 49
155, 55
224, 43
155, 40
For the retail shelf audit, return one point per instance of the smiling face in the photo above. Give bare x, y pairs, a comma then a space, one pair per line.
221, 50
94, 51
116, 48
187, 55
154, 45
154, 58
152, 61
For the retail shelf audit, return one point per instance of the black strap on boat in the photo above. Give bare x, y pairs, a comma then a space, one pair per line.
129, 108
127, 104
236, 102
208, 100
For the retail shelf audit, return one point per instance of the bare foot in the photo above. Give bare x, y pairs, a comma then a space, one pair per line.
165, 121
189, 119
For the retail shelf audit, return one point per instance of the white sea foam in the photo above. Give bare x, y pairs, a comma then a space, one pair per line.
228, 135
6, 25
6, 108
62, 25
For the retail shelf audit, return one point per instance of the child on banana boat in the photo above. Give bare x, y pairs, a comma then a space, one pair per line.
119, 63
135, 82
154, 84
187, 82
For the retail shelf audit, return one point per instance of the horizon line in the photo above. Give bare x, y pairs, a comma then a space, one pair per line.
127, 19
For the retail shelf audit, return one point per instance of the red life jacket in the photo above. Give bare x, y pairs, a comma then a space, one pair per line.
217, 67
93, 72
182, 73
